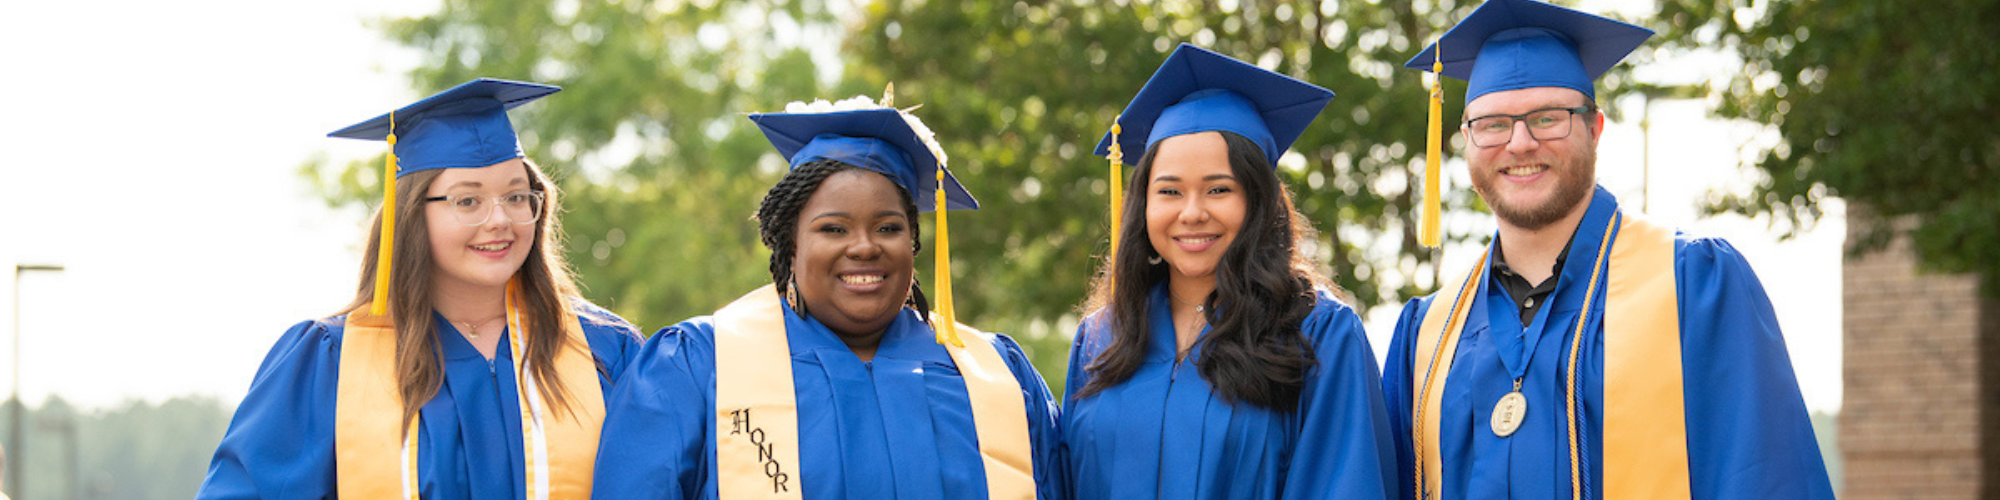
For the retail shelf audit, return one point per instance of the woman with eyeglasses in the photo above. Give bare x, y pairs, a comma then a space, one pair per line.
1215, 362
467, 366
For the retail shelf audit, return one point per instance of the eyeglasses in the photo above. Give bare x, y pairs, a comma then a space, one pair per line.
522, 207
1546, 124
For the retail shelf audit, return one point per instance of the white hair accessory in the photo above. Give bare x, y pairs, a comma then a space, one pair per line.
864, 103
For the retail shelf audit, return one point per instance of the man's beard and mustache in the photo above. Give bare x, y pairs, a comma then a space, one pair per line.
1575, 179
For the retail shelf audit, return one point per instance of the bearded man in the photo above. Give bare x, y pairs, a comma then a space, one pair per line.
1588, 353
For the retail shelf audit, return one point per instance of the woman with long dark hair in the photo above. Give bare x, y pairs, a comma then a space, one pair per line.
467, 366
836, 380
1214, 361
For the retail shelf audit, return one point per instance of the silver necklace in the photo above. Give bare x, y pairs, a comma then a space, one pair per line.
1198, 308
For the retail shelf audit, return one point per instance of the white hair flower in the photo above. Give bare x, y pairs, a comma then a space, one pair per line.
863, 103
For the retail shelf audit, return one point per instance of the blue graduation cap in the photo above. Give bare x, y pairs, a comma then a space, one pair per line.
1198, 90
882, 140
1517, 44
874, 139
465, 126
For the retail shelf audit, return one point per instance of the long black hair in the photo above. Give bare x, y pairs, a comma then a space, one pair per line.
778, 221
1264, 289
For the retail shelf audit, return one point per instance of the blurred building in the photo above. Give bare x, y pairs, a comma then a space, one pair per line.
1920, 416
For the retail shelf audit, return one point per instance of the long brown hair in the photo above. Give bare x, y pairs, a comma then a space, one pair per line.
1265, 286
546, 286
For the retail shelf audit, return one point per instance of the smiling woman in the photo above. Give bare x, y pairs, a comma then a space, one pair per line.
833, 382
852, 249
398, 396
1214, 362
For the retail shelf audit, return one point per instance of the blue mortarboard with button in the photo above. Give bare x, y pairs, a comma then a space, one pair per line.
879, 138
1510, 45
875, 139
1198, 90
463, 127
1517, 44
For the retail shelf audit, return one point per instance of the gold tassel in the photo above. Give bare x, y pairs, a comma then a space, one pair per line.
947, 323
380, 307
1116, 187
1428, 230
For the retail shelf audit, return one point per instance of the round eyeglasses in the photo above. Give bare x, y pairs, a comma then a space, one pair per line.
1546, 124
522, 207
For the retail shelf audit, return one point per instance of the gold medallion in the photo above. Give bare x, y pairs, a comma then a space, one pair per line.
1509, 413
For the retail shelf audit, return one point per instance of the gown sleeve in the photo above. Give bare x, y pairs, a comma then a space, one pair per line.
1043, 418
1076, 377
657, 424
613, 341
1345, 447
1398, 377
280, 443
1748, 432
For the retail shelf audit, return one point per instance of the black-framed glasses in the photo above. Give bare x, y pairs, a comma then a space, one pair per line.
1546, 124
522, 207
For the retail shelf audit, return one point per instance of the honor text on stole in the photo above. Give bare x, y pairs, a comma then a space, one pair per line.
740, 424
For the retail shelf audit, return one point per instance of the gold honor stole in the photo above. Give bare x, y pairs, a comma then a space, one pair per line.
1645, 419
375, 456
756, 410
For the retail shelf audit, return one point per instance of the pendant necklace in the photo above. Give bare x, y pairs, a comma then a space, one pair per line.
1510, 412
1512, 409
1198, 308
1200, 319
472, 331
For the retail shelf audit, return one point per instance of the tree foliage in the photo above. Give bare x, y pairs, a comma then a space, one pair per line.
1884, 105
662, 170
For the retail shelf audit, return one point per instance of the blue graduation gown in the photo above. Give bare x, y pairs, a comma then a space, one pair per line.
1748, 434
281, 442
896, 427
1165, 433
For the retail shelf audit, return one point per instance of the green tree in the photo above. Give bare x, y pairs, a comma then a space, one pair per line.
662, 170
1029, 87
1888, 108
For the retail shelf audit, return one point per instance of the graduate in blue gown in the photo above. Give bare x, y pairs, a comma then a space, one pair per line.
1216, 363
476, 220
882, 409
1532, 129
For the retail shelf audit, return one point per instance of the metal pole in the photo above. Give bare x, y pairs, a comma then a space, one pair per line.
14, 412
1646, 157
15, 478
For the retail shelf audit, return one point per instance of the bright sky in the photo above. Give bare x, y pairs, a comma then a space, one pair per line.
191, 244
154, 146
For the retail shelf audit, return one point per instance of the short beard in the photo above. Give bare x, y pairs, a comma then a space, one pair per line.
1578, 178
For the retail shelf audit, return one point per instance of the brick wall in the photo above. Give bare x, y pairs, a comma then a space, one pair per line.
1913, 408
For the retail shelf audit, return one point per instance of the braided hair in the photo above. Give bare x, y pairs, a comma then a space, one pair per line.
778, 221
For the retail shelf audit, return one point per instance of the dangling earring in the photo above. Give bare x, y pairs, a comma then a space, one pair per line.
792, 297
1153, 259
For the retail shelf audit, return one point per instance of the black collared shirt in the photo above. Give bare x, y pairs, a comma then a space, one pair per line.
1528, 298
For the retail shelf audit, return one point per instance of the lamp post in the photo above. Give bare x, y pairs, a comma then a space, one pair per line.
17, 410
